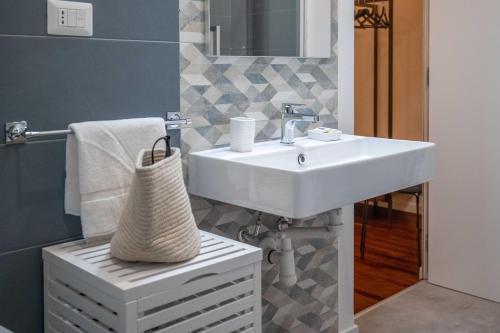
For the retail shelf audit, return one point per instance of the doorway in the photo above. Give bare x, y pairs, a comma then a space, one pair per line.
391, 102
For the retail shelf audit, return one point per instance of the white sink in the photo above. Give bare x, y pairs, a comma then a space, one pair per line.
335, 174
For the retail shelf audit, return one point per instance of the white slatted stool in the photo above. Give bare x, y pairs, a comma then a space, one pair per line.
87, 290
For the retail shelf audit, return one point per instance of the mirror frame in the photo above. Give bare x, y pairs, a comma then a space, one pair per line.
208, 38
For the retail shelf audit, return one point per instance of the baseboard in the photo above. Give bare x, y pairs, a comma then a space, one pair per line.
353, 329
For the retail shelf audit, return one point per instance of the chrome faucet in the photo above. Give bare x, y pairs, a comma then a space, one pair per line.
291, 114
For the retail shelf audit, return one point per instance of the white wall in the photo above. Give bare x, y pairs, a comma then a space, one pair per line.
345, 51
464, 214
317, 40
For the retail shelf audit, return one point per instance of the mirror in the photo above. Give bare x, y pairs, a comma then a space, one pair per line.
270, 28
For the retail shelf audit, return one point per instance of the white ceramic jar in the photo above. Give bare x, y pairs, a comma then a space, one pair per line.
242, 134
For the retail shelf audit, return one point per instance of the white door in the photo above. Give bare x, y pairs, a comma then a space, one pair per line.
464, 122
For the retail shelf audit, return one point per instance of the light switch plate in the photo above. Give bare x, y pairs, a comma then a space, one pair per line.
69, 18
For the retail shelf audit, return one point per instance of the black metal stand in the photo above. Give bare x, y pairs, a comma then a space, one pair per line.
391, 71
369, 17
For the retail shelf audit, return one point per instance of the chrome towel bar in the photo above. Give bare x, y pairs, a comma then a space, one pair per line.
19, 132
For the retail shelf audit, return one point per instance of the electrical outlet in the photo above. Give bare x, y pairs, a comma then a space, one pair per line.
62, 16
69, 18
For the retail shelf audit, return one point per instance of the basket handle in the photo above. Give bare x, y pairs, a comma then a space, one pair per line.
168, 150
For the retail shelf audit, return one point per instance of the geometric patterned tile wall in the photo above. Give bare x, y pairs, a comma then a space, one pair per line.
214, 89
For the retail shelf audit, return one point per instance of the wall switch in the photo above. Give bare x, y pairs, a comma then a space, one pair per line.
72, 17
69, 18
80, 18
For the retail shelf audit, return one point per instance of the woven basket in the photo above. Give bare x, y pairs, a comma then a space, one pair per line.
157, 224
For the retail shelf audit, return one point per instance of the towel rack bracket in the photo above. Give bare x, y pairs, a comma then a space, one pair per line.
176, 121
15, 132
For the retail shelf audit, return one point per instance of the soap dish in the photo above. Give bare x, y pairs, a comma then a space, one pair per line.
325, 134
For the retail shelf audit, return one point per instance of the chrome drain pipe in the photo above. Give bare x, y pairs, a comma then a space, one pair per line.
331, 230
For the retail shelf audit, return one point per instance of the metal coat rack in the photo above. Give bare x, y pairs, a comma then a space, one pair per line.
372, 14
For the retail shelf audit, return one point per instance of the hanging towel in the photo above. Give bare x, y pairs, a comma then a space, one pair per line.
100, 164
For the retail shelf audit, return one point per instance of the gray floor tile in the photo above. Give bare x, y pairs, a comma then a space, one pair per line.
431, 309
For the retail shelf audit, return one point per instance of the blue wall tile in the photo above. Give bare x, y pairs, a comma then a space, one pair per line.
32, 207
121, 19
21, 290
137, 19
22, 17
130, 68
51, 82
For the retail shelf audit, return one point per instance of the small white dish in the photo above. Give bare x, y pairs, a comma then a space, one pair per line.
325, 134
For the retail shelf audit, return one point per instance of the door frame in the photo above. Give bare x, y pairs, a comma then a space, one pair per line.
423, 271
424, 241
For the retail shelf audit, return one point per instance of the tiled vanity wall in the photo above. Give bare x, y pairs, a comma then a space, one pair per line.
129, 68
214, 89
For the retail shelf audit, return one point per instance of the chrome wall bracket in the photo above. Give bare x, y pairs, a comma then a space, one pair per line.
15, 132
176, 121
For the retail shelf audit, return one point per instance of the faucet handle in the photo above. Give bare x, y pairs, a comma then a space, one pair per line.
289, 108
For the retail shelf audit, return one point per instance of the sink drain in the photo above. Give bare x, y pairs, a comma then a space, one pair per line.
301, 159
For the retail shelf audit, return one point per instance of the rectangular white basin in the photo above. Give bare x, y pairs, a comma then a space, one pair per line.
335, 174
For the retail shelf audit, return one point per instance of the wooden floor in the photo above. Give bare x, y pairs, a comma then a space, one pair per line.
391, 262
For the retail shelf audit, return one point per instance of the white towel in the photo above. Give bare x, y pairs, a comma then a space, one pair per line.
100, 160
